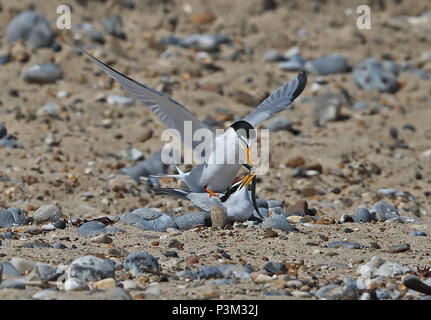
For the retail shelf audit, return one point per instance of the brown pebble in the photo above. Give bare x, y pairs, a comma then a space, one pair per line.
299, 208
325, 220
155, 243
219, 219
191, 260
103, 238
269, 233
176, 244
295, 162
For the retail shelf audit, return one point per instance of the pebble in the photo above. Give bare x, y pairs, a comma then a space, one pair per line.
336, 292
379, 267
362, 215
417, 233
50, 108
12, 216
6, 268
347, 244
45, 272
3, 130
193, 219
269, 233
46, 213
219, 218
132, 154
327, 107
208, 272
236, 271
205, 42
299, 208
12, 284
88, 31
399, 248
346, 218
278, 124
102, 238
59, 245
91, 228
114, 26
275, 267
329, 64
91, 268
24, 266
31, 27
141, 262
371, 74
360, 105
276, 222
384, 211
162, 223
115, 99
260, 278
42, 73
10, 141
120, 294
74, 284
105, 284
273, 56
5, 58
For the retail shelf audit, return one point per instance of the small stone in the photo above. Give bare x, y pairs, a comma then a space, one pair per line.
399, 248
49, 212
300, 208
42, 73
417, 233
269, 233
276, 222
191, 260
102, 238
325, 220
46, 272
141, 262
105, 284
91, 228
208, 272
260, 278
74, 284
275, 268
192, 220
347, 244
273, 56
22, 265
371, 74
362, 215
278, 124
6, 268
60, 224
114, 26
115, 99
46, 294
329, 64
384, 211
219, 219
59, 245
11, 217
346, 218
12, 284
91, 268
176, 244
295, 162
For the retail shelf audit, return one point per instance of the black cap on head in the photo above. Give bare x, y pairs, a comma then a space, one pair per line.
245, 129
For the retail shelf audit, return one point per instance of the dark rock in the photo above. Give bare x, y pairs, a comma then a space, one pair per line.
141, 262
362, 215
12, 216
171, 254
300, 208
414, 283
12, 284
151, 166
275, 268
59, 245
9, 269
114, 26
399, 248
5, 58
417, 233
46, 272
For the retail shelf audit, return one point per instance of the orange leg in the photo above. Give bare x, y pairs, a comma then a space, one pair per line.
210, 192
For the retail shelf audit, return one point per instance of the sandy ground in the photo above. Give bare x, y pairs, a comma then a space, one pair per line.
40, 177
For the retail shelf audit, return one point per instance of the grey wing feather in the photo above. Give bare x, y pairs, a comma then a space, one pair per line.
199, 199
279, 100
172, 113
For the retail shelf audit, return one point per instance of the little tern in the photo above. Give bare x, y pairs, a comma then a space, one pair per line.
212, 175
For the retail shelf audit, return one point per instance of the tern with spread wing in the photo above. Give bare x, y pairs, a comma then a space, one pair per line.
214, 174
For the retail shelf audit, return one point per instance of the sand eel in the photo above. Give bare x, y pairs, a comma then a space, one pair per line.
212, 175
238, 202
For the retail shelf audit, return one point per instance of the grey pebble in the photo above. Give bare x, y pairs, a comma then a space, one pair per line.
89, 31
278, 123
12, 216
115, 99
371, 74
141, 262
205, 42
12, 284
336, 292
46, 213
273, 56
417, 233
384, 211
137, 215
277, 222
190, 220
237, 271
362, 215
346, 218
150, 166
31, 27
114, 26
42, 73
91, 268
403, 247
91, 228
120, 294
359, 105
59, 245
208, 272
46, 272
347, 244
3, 130
5, 58
162, 223
10, 141
9, 269
329, 64
218, 282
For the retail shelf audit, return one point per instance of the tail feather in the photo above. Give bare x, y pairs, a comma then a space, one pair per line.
173, 192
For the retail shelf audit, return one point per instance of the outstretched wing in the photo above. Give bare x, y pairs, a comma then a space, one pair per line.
199, 199
172, 113
279, 100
